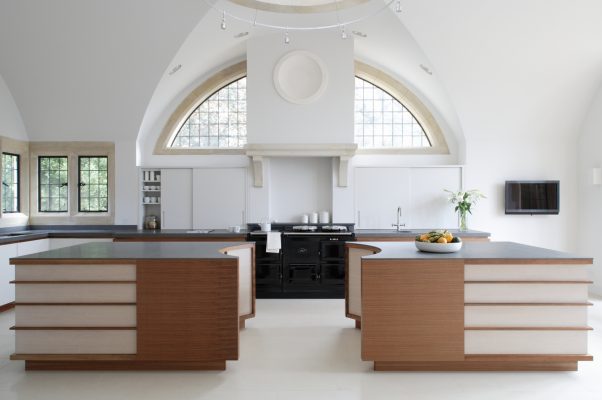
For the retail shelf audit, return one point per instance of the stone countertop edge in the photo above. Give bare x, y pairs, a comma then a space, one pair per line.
470, 251
134, 251
115, 234
414, 232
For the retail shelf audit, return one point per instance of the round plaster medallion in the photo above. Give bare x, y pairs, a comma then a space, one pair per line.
300, 77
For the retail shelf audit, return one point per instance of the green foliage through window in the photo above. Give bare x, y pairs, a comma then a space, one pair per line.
53, 181
93, 184
10, 183
218, 122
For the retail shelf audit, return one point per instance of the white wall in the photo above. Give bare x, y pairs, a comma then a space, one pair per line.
299, 186
590, 196
271, 119
493, 160
11, 123
126, 188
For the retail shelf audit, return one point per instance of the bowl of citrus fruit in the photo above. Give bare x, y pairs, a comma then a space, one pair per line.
438, 241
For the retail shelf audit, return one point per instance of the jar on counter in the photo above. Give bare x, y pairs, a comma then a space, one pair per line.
151, 222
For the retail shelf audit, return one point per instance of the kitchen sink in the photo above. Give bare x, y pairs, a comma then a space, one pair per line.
200, 231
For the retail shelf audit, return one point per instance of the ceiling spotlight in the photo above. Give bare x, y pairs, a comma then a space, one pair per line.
175, 69
223, 24
426, 69
287, 38
343, 33
398, 6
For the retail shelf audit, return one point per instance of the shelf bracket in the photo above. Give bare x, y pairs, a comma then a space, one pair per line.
257, 171
343, 170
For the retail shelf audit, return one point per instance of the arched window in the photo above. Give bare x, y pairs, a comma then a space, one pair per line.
388, 117
381, 121
219, 122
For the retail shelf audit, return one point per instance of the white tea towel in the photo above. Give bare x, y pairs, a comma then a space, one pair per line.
274, 242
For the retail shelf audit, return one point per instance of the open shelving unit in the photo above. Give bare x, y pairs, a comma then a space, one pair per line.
150, 195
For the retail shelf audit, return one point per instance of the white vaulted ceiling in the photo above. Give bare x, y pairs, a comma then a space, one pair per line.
513, 67
80, 69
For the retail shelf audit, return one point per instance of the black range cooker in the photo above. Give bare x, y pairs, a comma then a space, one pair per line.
311, 263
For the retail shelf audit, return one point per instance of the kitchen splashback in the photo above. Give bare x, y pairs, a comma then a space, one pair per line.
299, 186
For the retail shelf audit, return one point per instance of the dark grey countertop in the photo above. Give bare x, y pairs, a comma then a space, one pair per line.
129, 232
35, 234
180, 233
414, 232
136, 251
471, 251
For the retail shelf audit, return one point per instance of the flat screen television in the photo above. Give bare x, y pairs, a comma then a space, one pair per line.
532, 197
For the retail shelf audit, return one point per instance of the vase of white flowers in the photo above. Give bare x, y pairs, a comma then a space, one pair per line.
463, 201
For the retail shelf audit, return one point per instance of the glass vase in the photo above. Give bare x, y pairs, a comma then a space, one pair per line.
463, 226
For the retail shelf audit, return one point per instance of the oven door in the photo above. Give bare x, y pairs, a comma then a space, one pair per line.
332, 250
301, 277
301, 249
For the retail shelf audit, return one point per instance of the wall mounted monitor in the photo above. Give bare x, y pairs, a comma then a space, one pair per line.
532, 197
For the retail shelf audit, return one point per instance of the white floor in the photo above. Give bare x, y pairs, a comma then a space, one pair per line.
300, 349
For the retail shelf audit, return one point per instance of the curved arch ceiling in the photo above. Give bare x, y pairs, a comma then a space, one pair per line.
99, 69
388, 46
86, 69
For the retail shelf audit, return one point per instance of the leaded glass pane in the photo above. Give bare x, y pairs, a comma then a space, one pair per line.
10, 183
381, 121
93, 184
52, 184
219, 122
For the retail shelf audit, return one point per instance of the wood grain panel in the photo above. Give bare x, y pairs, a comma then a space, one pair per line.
74, 357
187, 310
475, 366
586, 304
413, 310
124, 365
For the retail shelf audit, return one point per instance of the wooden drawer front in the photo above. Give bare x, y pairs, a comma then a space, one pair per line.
560, 272
245, 280
525, 342
76, 316
525, 316
75, 272
75, 342
525, 293
76, 293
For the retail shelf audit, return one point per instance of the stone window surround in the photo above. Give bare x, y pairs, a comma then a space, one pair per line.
20, 148
362, 70
72, 150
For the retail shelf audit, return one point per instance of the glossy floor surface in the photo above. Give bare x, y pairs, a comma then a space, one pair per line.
300, 349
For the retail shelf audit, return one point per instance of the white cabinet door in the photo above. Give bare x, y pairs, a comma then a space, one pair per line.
59, 243
176, 198
219, 197
32, 247
7, 273
379, 192
429, 206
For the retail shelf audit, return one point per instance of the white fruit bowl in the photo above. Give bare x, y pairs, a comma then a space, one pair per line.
438, 247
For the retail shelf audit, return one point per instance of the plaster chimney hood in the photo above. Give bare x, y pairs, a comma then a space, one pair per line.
258, 152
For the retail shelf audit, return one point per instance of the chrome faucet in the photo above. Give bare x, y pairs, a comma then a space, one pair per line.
398, 225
